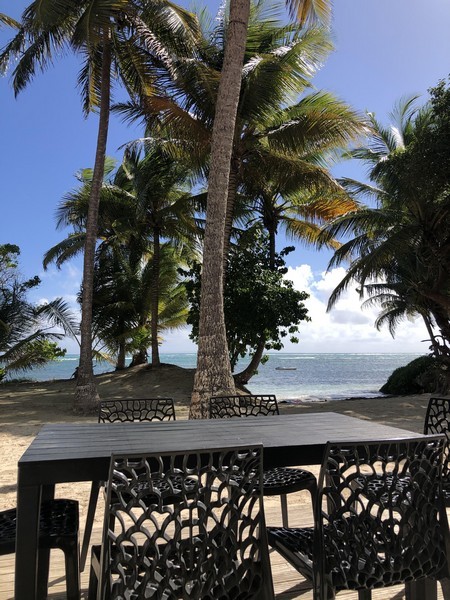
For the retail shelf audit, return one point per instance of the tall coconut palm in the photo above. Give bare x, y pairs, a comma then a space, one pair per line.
213, 372
287, 143
110, 36
146, 204
276, 136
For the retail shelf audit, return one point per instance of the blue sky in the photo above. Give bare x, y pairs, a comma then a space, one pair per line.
385, 49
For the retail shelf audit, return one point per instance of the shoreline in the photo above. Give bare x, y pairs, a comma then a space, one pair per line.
25, 407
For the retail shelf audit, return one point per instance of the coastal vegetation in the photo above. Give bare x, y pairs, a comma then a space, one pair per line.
235, 148
115, 40
399, 249
258, 316
27, 335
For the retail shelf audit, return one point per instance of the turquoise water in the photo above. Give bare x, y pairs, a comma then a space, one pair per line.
292, 377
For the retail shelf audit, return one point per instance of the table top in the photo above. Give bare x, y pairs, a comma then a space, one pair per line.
81, 452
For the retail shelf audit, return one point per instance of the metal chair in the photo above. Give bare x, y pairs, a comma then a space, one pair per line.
279, 481
169, 541
58, 528
388, 528
123, 411
437, 421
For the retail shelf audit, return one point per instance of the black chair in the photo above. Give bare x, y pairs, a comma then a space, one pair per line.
58, 529
380, 520
437, 421
166, 540
123, 411
279, 481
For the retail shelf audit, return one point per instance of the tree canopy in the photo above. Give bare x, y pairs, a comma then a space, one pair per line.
260, 304
399, 251
27, 334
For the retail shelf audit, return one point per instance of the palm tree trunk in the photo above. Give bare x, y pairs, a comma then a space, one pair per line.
231, 200
155, 297
86, 395
272, 235
433, 340
121, 356
213, 374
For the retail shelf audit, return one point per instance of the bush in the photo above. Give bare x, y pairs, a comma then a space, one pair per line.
409, 379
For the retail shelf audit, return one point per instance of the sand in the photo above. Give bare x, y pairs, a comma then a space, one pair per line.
25, 407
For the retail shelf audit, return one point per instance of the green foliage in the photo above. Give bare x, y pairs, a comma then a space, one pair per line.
399, 250
25, 339
144, 204
405, 380
259, 303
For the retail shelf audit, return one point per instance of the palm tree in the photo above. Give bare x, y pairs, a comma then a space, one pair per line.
292, 144
213, 372
399, 250
289, 144
146, 205
123, 301
110, 36
27, 332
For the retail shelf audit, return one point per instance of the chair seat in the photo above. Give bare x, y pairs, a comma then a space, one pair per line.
58, 519
285, 480
355, 571
375, 487
446, 492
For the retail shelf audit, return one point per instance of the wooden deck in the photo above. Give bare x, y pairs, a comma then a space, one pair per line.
289, 585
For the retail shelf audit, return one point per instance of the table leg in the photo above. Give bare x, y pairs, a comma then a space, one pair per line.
48, 493
422, 589
27, 536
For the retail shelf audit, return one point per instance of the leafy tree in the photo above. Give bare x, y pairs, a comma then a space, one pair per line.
260, 304
111, 37
400, 250
26, 339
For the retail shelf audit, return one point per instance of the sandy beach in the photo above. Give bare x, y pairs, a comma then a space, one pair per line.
25, 407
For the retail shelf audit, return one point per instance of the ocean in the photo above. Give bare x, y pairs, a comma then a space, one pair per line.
292, 377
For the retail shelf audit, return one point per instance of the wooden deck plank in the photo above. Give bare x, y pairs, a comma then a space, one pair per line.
289, 585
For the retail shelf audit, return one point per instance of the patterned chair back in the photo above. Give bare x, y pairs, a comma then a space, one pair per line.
226, 407
210, 543
380, 519
437, 421
148, 409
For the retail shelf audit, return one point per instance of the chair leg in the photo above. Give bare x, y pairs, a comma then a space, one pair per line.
323, 592
445, 584
93, 497
94, 575
43, 569
71, 557
422, 589
364, 594
313, 492
284, 510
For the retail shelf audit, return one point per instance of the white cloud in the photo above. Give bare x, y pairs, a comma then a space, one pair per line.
347, 327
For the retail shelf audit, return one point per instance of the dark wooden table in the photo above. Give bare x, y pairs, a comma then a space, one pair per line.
81, 452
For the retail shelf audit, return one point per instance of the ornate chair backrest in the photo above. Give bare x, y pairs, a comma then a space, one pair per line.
148, 409
209, 543
380, 518
437, 421
225, 407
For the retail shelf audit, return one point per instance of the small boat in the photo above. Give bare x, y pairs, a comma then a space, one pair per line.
285, 368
